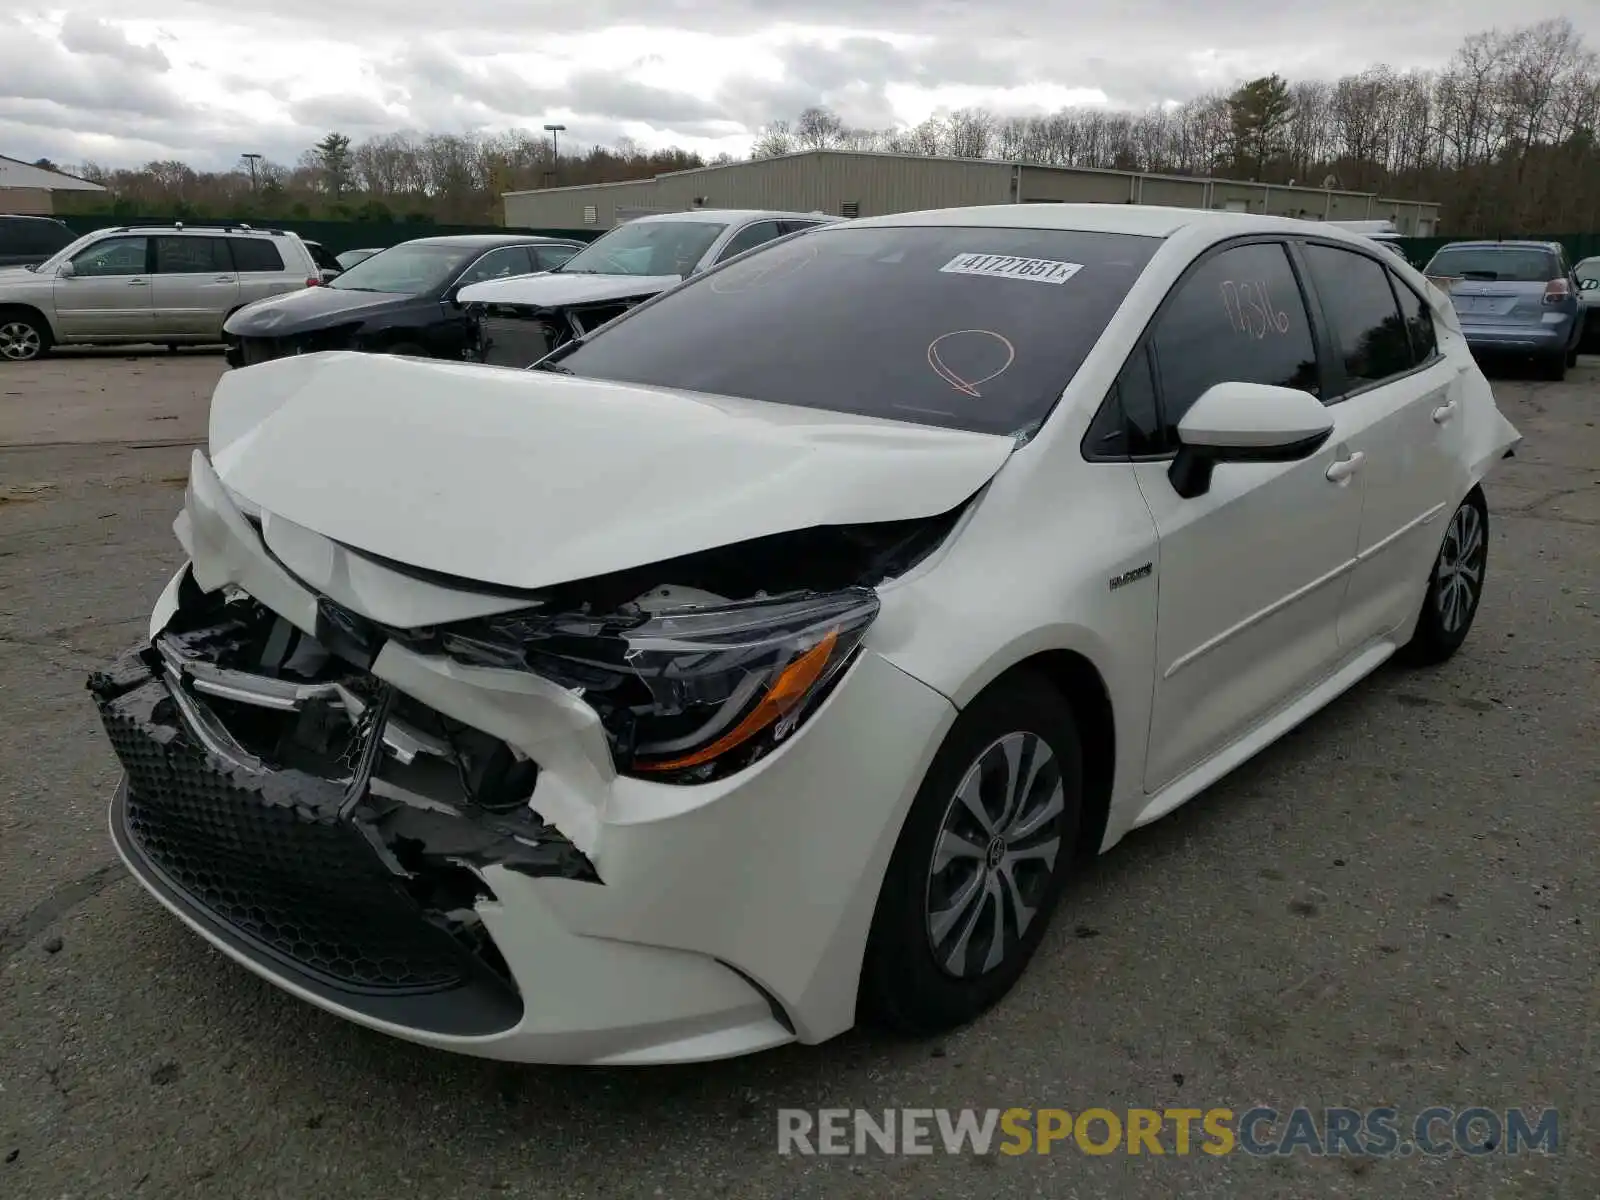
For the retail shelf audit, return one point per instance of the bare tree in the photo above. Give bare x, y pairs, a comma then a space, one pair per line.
1507, 135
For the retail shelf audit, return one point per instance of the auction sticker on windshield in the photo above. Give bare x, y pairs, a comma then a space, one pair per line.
1008, 266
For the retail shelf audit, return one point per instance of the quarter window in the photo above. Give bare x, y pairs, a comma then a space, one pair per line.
255, 254
111, 256
1236, 318
1128, 424
1419, 323
1368, 330
550, 257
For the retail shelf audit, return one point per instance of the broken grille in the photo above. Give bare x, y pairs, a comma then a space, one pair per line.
280, 870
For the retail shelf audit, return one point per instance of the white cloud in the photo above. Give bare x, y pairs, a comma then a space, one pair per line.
194, 79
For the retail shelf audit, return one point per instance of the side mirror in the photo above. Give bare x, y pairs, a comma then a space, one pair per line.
1245, 422
66, 270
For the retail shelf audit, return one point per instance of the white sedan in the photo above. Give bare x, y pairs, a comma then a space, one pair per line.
771, 658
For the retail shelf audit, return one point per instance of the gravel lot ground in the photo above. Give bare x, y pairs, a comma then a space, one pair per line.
1394, 905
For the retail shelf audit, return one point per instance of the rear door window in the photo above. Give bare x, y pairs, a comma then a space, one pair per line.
965, 327
255, 254
192, 256
749, 238
1238, 317
1368, 330
498, 264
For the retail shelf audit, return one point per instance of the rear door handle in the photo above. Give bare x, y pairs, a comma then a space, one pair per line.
1346, 467
223, 279
138, 283
1444, 412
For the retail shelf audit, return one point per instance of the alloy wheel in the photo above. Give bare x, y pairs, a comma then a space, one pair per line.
19, 341
995, 855
1460, 575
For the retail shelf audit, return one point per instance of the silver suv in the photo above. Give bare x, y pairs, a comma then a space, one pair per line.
166, 284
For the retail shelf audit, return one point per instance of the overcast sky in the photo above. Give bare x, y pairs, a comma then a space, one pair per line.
123, 82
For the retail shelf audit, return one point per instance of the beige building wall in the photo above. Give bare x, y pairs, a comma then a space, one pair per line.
26, 202
851, 184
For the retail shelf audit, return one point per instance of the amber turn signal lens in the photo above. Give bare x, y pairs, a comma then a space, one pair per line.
790, 688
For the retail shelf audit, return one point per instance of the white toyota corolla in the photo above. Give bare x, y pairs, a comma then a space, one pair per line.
767, 659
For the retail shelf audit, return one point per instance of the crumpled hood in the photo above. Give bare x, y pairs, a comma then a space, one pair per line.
556, 289
525, 479
310, 308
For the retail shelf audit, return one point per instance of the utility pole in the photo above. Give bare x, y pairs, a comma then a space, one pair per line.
252, 159
555, 148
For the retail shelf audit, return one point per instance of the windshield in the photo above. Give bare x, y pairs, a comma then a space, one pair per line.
964, 327
1507, 264
409, 269
646, 248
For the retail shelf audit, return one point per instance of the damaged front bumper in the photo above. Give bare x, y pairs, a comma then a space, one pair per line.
296, 802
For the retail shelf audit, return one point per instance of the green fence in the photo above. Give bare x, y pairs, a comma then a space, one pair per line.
1579, 245
337, 236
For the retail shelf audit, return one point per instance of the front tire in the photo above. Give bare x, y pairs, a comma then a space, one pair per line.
980, 864
24, 336
408, 350
1455, 587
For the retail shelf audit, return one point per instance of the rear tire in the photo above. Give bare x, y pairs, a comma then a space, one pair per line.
24, 335
981, 861
408, 350
1554, 367
1455, 586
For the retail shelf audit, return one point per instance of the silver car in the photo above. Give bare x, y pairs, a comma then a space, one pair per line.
1516, 298
169, 285
521, 319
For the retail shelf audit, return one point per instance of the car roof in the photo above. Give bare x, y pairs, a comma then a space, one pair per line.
1493, 245
733, 214
468, 241
30, 217
1147, 220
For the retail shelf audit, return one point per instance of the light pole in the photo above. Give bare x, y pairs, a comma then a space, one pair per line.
252, 159
555, 148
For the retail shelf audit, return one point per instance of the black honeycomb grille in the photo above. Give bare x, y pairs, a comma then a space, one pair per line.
278, 869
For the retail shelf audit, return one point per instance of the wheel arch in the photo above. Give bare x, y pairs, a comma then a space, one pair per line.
34, 312
1069, 658
1079, 681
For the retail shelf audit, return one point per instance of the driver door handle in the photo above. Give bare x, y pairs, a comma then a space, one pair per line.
138, 283
1346, 467
223, 279
1444, 412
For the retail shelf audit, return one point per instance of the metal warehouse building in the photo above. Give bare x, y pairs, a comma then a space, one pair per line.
856, 184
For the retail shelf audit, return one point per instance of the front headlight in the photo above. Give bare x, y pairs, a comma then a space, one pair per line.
689, 693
